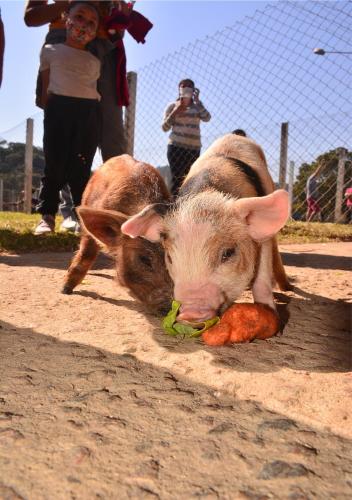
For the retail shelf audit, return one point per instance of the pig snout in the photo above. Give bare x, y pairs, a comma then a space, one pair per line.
198, 302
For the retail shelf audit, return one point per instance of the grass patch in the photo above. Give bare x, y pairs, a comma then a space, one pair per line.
314, 232
16, 234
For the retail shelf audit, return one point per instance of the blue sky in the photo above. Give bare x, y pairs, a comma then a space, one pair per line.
176, 23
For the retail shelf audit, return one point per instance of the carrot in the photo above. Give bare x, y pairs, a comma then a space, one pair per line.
243, 323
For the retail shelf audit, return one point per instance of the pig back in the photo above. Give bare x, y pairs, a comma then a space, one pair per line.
227, 149
126, 185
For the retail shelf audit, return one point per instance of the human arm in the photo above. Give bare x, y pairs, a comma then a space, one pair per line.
40, 12
204, 114
2, 47
169, 116
45, 76
318, 170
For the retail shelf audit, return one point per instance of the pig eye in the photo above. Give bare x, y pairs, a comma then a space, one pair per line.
227, 254
169, 258
146, 261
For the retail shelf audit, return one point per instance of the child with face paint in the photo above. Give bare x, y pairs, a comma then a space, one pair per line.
70, 97
183, 118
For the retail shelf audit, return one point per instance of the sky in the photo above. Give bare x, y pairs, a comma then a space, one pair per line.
176, 23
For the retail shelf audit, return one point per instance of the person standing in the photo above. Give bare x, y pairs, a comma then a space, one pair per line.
312, 195
183, 118
69, 75
115, 18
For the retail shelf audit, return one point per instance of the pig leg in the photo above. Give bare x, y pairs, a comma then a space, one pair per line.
279, 270
82, 262
262, 289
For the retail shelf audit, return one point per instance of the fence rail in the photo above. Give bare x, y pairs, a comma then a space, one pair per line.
259, 74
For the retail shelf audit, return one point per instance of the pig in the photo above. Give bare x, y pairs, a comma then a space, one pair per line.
122, 187
219, 235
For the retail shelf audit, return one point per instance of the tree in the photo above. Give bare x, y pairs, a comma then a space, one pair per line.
327, 184
12, 165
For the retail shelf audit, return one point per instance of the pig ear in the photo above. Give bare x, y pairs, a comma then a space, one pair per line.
148, 224
103, 225
265, 215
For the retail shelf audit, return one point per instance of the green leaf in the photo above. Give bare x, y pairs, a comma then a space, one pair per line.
173, 328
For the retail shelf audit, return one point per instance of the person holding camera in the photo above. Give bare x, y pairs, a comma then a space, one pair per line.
183, 118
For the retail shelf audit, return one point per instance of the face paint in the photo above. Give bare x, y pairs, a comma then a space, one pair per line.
79, 31
81, 27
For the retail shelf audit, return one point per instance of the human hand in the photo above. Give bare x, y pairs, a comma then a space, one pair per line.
196, 93
124, 7
179, 106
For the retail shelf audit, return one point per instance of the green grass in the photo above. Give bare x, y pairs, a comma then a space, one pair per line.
314, 232
16, 234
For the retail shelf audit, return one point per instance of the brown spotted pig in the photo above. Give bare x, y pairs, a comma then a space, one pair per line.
219, 237
120, 188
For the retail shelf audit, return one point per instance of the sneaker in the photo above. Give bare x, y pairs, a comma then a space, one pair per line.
68, 224
46, 225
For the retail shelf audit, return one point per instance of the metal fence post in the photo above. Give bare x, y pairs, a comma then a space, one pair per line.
1, 195
283, 155
290, 184
28, 167
339, 184
130, 113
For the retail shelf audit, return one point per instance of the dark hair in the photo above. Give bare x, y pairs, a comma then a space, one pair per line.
74, 3
239, 131
187, 81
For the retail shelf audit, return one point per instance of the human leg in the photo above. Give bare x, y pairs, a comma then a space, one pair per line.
180, 161
83, 148
66, 203
56, 145
112, 140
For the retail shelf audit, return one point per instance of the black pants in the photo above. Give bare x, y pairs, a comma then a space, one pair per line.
71, 135
180, 161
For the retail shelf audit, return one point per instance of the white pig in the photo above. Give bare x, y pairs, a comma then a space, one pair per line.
219, 236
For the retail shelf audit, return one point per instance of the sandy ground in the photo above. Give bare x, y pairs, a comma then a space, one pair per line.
96, 402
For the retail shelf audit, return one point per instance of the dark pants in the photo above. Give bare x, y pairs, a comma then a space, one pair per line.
180, 161
112, 141
70, 141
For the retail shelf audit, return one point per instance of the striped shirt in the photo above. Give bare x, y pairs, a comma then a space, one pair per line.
185, 129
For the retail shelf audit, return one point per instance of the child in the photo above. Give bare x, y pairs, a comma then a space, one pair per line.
70, 98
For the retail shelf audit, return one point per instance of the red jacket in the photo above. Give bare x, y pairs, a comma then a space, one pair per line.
137, 26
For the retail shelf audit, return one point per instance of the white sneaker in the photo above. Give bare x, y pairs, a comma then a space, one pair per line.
68, 224
46, 225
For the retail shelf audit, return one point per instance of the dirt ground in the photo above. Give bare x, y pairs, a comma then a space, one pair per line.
97, 402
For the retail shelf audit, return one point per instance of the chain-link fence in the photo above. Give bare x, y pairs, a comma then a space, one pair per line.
256, 75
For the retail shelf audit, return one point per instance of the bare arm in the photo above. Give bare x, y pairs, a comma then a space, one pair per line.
38, 13
2, 47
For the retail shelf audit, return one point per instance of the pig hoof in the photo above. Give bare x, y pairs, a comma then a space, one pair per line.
67, 290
